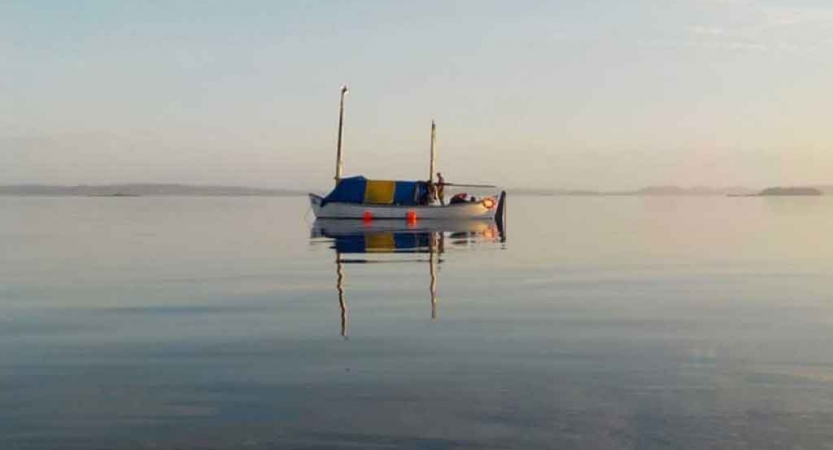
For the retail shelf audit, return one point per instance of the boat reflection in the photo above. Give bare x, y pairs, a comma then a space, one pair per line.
406, 241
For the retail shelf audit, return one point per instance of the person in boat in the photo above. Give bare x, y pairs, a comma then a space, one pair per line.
459, 198
440, 188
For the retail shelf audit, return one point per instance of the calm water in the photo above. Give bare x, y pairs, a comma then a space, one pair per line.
600, 323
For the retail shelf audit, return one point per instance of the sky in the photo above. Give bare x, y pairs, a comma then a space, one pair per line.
537, 94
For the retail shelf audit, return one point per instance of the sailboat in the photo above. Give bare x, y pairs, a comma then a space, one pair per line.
358, 197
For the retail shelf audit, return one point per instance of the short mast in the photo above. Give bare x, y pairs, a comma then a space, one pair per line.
339, 159
433, 151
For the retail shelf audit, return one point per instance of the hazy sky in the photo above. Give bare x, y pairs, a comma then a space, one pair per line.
599, 94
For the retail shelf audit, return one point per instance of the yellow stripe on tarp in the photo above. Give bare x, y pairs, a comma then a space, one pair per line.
379, 242
379, 192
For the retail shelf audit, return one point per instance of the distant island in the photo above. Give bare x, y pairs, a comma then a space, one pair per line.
141, 190
789, 191
678, 191
645, 191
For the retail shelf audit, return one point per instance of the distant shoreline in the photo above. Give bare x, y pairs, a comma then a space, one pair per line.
143, 190
185, 190
58, 195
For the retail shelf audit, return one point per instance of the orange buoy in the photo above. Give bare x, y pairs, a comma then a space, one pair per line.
368, 216
411, 216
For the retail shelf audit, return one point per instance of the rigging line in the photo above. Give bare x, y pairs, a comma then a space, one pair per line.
306, 215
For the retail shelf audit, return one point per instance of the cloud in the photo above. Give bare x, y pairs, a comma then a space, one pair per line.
706, 30
724, 45
775, 17
750, 25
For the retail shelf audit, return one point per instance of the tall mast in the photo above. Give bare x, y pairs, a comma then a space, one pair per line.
433, 151
339, 159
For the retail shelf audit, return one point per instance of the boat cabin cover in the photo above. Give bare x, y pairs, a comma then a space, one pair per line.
360, 190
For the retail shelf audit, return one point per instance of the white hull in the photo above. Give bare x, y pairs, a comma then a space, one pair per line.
460, 211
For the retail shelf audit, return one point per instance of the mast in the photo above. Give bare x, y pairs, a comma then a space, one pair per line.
433, 151
339, 159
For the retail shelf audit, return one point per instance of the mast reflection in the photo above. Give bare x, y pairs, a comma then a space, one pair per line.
340, 286
365, 242
434, 250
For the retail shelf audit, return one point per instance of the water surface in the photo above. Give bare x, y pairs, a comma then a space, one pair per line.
599, 323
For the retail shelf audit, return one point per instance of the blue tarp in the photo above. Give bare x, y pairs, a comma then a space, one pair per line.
409, 192
352, 190
348, 190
